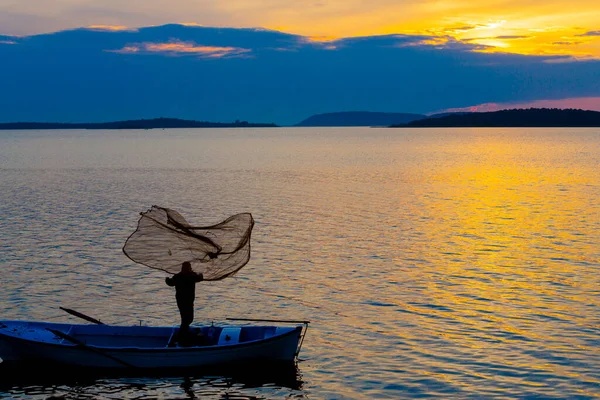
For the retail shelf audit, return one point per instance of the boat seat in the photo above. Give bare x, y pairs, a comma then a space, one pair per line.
230, 336
273, 332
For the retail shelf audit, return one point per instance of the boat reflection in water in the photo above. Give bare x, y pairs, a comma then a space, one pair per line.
243, 381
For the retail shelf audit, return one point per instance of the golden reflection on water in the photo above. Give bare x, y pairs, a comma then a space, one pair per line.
500, 241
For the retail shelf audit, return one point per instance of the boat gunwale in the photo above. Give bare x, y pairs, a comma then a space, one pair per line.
153, 350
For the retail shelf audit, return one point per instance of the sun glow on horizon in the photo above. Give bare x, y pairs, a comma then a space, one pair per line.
531, 29
528, 36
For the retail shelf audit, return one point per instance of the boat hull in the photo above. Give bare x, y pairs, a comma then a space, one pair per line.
36, 343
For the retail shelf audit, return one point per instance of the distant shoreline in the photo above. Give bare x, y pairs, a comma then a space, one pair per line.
516, 118
156, 123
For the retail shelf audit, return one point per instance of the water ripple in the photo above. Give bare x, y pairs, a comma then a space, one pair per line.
433, 263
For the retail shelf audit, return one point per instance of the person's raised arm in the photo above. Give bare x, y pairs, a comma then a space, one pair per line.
170, 281
199, 277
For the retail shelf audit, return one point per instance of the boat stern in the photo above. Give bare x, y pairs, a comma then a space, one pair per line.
7, 350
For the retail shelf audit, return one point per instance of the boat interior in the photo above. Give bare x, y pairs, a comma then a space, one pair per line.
144, 336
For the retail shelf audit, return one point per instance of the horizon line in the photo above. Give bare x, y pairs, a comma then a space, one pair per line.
242, 123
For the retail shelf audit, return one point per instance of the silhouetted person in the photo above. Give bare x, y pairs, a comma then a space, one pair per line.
185, 293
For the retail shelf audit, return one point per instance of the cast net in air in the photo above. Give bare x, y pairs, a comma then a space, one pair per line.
164, 240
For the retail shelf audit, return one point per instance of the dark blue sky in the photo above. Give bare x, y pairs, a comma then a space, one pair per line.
220, 74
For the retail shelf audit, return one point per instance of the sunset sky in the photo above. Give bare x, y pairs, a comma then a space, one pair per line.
564, 31
527, 27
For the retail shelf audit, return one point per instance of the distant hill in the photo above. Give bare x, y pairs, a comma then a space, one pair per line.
134, 124
359, 118
533, 117
445, 114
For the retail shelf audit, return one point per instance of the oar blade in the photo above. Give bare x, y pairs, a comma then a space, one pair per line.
82, 316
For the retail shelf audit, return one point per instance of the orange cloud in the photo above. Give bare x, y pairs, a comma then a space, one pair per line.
182, 48
110, 28
584, 103
323, 42
128, 49
321, 39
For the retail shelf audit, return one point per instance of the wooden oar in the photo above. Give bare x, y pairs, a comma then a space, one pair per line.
85, 346
82, 316
269, 320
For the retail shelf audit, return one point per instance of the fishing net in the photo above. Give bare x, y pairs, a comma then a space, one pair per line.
164, 240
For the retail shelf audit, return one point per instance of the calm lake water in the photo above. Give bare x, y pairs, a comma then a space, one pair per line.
433, 263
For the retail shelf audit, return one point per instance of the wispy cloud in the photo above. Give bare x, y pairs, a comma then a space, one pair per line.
453, 30
7, 42
321, 42
110, 28
321, 39
177, 48
191, 24
549, 29
127, 50
569, 59
449, 43
510, 37
590, 33
566, 43
466, 29
502, 37
427, 42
